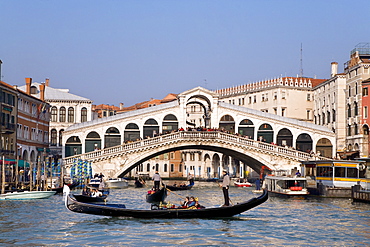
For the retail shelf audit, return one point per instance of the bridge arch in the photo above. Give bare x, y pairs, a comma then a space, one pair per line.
246, 128
151, 128
112, 137
325, 147
92, 142
73, 146
265, 133
304, 143
169, 123
285, 138
227, 123
131, 132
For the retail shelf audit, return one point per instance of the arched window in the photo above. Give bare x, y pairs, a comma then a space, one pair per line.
349, 110
53, 137
83, 114
54, 114
148, 167
172, 167
356, 108
71, 115
60, 137
62, 114
165, 168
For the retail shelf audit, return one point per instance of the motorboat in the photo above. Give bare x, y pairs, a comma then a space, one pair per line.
116, 183
242, 183
95, 183
286, 186
26, 195
120, 210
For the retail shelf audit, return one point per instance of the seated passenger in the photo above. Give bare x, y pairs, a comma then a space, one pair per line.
185, 203
191, 202
86, 191
96, 193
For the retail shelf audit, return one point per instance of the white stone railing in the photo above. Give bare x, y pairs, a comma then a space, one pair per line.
190, 136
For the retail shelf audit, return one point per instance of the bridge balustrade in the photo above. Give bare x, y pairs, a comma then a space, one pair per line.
189, 135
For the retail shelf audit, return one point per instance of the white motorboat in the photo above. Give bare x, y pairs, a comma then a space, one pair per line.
286, 186
26, 195
116, 183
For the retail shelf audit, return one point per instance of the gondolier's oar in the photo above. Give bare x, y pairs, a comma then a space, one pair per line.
175, 194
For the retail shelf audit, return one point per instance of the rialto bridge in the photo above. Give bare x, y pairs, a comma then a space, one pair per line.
241, 136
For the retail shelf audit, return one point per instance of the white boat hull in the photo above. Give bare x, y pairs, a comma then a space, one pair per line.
27, 195
117, 183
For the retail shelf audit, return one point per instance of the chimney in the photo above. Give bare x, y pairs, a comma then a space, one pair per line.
334, 69
42, 91
28, 85
47, 82
121, 106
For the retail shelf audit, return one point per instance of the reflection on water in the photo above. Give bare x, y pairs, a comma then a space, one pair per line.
310, 222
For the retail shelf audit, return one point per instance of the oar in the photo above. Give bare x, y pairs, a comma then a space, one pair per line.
183, 198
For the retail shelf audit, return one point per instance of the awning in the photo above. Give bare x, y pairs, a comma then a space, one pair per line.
21, 163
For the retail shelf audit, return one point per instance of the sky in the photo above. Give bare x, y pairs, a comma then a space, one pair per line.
129, 51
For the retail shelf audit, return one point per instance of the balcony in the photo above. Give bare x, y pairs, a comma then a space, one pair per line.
7, 128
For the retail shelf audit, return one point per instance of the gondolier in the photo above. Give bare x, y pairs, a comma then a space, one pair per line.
157, 180
225, 188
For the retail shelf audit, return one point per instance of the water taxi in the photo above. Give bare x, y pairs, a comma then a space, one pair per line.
286, 185
333, 178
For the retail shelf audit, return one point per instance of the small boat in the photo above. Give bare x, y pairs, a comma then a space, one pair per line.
95, 182
139, 182
286, 186
242, 183
26, 195
157, 196
119, 210
90, 199
175, 188
116, 183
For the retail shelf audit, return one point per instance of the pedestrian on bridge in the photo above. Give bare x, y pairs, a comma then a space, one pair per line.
157, 180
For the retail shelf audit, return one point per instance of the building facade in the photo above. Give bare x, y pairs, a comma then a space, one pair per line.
8, 101
32, 125
285, 96
66, 109
329, 102
357, 71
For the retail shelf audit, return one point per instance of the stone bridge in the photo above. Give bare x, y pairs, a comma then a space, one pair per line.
123, 158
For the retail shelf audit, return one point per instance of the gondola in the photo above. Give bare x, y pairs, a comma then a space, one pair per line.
119, 210
90, 199
139, 183
158, 196
175, 188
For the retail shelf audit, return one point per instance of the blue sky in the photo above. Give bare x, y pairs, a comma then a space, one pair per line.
131, 51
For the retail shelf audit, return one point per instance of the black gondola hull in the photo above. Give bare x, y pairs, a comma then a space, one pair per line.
176, 188
158, 196
89, 199
117, 211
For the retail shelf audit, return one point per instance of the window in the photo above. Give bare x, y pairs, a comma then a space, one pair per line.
365, 91
83, 114
172, 167
71, 115
283, 95
356, 108
148, 167
348, 110
308, 97
54, 114
62, 114
275, 95
308, 113
349, 91
282, 112
53, 138
349, 130
365, 112
334, 117
165, 168
250, 100
254, 99
60, 137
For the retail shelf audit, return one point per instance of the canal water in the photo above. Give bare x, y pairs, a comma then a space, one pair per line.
278, 222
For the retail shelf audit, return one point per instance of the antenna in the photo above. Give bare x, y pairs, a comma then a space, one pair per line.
301, 70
